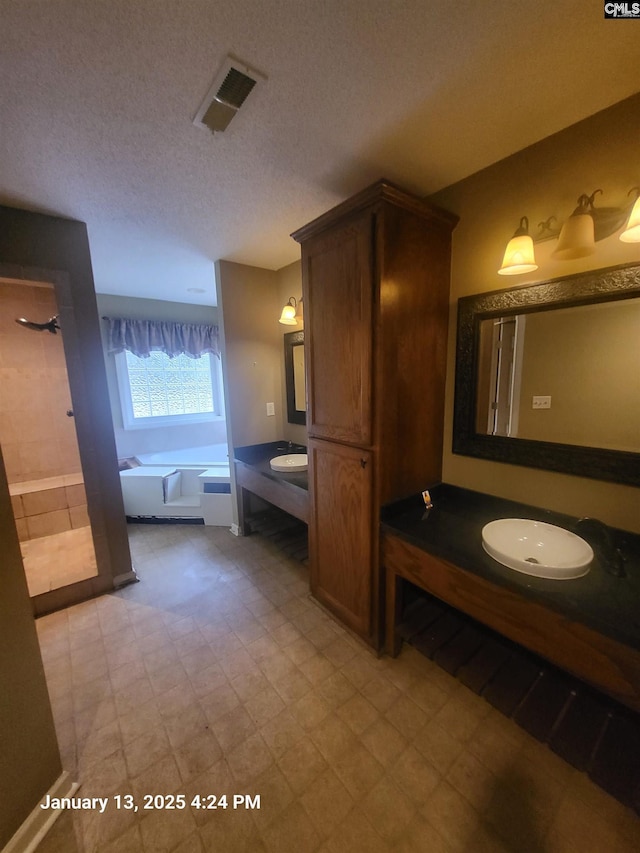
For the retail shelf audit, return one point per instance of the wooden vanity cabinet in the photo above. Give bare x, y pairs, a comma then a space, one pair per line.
342, 564
338, 299
375, 281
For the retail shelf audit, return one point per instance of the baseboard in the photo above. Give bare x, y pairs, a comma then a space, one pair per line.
39, 822
236, 530
125, 579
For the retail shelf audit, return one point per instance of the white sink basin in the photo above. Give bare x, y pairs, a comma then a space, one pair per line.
291, 463
536, 548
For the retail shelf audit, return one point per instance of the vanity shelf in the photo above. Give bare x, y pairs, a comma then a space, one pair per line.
254, 475
589, 626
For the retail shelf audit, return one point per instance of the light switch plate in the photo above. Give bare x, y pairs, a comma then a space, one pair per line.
541, 403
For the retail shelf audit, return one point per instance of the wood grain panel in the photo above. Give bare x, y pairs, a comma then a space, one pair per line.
593, 657
342, 562
411, 349
337, 286
375, 279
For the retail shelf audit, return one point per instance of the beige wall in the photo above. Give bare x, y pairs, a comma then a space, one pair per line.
540, 181
38, 439
29, 756
248, 300
582, 357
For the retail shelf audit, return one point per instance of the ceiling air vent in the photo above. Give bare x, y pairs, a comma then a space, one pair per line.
229, 92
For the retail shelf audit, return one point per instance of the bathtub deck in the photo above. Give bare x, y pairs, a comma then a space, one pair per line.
208, 456
27, 487
176, 483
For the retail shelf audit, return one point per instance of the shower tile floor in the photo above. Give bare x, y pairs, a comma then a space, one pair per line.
58, 560
217, 673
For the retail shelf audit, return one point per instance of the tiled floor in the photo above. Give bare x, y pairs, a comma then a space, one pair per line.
217, 674
60, 559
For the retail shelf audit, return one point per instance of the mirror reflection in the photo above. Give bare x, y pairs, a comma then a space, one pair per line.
547, 375
298, 378
295, 377
566, 376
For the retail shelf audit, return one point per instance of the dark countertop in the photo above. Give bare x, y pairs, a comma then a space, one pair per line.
453, 531
258, 457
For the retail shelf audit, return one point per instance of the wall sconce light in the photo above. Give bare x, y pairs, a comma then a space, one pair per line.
518, 256
631, 233
586, 226
292, 312
577, 236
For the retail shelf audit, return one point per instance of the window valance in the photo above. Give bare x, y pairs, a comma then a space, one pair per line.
142, 337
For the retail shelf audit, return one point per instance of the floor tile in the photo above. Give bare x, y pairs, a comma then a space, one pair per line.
217, 674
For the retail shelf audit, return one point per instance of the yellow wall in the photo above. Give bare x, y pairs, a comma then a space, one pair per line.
582, 357
542, 180
38, 439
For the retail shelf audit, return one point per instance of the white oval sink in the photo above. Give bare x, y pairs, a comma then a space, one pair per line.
290, 463
537, 548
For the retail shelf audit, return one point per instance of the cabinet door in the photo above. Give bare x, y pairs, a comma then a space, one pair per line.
337, 281
340, 532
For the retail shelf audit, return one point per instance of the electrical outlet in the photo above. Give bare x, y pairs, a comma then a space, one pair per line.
541, 402
271, 409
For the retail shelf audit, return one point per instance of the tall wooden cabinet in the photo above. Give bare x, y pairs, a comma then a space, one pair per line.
375, 280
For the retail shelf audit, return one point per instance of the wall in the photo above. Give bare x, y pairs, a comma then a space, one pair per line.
595, 397
38, 439
250, 300
29, 757
544, 179
250, 305
131, 442
31, 243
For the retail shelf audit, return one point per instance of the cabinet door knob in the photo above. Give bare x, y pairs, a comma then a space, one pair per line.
363, 463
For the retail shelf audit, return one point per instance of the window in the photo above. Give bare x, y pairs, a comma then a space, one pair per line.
162, 391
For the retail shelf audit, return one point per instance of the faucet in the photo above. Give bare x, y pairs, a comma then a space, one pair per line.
599, 536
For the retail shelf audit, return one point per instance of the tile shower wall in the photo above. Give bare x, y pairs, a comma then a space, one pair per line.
38, 438
45, 511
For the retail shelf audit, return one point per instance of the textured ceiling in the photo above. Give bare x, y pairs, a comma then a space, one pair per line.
97, 99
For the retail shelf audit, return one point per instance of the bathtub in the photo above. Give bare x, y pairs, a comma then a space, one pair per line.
191, 482
208, 456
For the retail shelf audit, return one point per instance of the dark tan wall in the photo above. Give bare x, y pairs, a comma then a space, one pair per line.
542, 180
38, 439
29, 756
249, 307
595, 397
250, 300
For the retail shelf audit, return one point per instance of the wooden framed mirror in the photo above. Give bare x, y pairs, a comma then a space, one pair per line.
294, 370
548, 375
